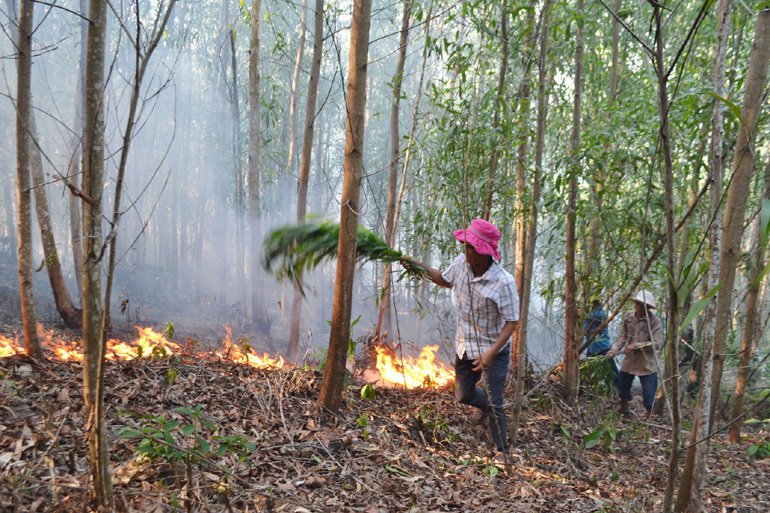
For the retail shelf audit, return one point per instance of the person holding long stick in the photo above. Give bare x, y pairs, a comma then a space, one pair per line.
486, 305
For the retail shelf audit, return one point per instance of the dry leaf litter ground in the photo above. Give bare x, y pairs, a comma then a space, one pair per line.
257, 440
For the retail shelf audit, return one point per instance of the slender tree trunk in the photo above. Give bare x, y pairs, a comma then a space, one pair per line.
23, 192
93, 178
693, 473
304, 168
673, 300
748, 344
239, 207
76, 155
497, 139
743, 168
529, 258
258, 307
293, 106
571, 373
384, 322
520, 213
71, 317
691, 486
334, 374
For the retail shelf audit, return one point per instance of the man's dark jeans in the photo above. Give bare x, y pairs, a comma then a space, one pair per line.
467, 393
649, 387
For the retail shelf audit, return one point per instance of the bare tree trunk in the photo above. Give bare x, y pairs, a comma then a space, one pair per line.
673, 301
691, 486
71, 317
571, 372
752, 316
681, 373
395, 154
743, 168
93, 178
240, 249
692, 476
76, 155
304, 169
295, 91
520, 216
334, 374
23, 192
529, 258
258, 308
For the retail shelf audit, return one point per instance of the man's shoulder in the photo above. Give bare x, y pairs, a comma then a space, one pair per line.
502, 275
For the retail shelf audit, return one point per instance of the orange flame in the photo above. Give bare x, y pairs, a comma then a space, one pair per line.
149, 343
8, 347
243, 352
423, 371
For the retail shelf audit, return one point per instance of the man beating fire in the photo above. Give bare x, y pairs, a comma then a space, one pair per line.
486, 304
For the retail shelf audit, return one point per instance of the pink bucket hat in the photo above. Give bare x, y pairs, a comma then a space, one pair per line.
482, 235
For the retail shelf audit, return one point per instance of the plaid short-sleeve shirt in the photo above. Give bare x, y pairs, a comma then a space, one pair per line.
483, 304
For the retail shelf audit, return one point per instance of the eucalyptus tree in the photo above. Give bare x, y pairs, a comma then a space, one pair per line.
531, 241
93, 178
258, 309
692, 479
691, 486
384, 321
23, 189
751, 330
571, 364
307, 149
34, 158
334, 373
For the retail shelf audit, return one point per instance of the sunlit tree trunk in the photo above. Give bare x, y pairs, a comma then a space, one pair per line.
691, 486
395, 154
258, 307
520, 210
93, 179
23, 192
304, 168
571, 377
497, 138
529, 257
752, 317
334, 374
743, 168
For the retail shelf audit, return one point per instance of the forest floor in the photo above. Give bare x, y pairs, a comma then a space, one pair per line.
199, 432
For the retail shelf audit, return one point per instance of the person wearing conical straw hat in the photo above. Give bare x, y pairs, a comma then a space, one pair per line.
641, 337
486, 304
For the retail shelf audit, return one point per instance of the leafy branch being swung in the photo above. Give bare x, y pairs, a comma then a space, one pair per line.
290, 250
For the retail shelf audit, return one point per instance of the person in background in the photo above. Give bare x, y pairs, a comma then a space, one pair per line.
600, 345
486, 304
641, 337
